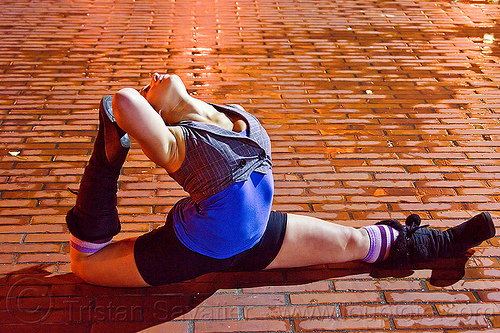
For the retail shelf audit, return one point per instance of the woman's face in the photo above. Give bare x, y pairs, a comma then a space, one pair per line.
164, 92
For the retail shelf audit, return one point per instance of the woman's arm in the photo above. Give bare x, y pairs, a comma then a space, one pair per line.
137, 117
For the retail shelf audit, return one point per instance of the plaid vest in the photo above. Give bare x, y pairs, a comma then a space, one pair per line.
217, 158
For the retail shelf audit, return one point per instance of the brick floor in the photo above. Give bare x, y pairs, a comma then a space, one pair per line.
376, 109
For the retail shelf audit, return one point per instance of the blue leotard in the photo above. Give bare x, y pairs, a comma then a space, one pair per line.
231, 215
228, 222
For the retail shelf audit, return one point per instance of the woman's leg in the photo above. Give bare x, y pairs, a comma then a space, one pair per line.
112, 266
94, 219
311, 241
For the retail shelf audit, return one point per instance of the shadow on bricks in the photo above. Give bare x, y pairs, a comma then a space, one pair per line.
35, 298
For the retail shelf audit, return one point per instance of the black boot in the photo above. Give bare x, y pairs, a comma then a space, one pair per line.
94, 217
417, 243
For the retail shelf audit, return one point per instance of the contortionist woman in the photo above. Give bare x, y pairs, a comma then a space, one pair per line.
221, 156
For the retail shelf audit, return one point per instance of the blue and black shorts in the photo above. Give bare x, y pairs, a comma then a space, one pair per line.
162, 259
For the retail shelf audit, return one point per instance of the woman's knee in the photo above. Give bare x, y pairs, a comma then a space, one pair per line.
80, 265
121, 101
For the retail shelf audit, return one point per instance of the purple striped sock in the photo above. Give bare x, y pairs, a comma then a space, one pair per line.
381, 239
86, 247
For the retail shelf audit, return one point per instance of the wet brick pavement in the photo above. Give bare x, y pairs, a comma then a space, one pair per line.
376, 109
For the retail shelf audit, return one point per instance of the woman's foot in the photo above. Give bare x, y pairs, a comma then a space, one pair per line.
116, 141
417, 243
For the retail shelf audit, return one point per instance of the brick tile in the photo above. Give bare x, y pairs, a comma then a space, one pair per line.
6, 258
46, 238
209, 313
43, 258
24, 248
172, 326
475, 330
441, 322
387, 310
469, 309
489, 296
246, 299
412, 297
10, 268
482, 273
377, 285
317, 286
374, 323
266, 312
242, 325
11, 238
341, 297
